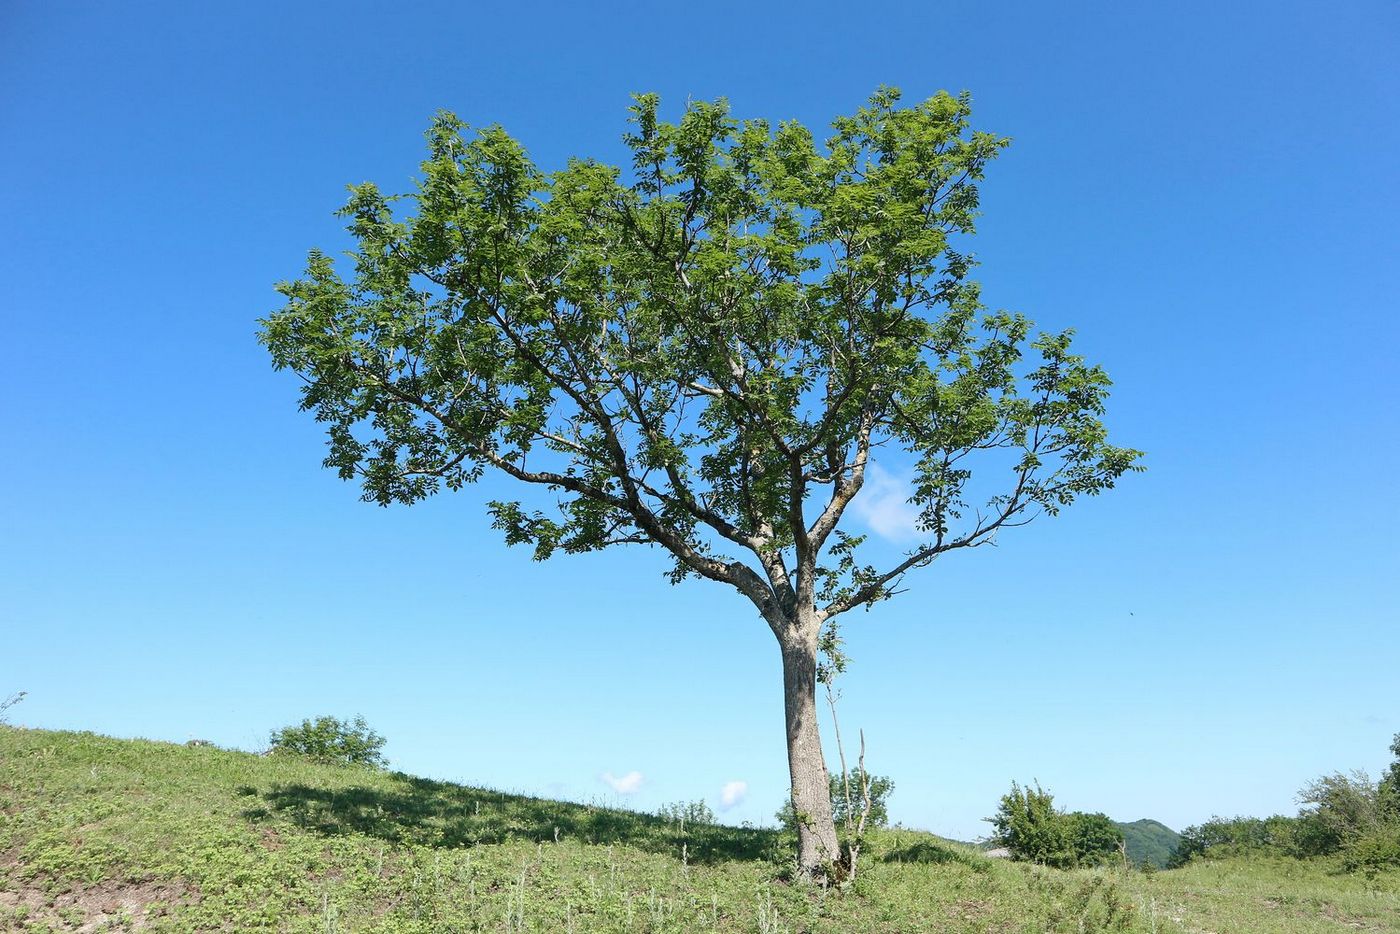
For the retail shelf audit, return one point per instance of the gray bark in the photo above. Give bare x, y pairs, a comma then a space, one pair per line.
811, 787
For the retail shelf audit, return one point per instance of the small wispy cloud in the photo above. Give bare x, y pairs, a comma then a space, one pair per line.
883, 504
732, 795
628, 784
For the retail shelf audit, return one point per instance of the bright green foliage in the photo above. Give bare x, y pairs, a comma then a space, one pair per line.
1222, 837
1341, 808
881, 786
1093, 838
860, 784
329, 740
1390, 782
686, 812
1029, 825
694, 350
1346, 817
701, 351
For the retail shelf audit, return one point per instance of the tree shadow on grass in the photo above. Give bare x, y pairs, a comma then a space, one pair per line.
423, 812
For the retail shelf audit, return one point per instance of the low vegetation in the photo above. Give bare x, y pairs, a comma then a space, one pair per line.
1032, 829
1348, 818
847, 800
100, 834
330, 741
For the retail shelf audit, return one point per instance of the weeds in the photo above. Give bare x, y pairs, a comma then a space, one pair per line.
176, 839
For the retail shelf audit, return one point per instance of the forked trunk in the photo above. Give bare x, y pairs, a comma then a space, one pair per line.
811, 787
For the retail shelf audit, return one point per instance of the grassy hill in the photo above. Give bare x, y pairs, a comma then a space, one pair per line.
1149, 841
100, 834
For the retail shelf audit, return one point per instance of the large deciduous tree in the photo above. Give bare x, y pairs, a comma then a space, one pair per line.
701, 352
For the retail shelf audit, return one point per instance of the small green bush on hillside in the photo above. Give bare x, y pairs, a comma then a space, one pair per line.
1030, 826
880, 786
686, 812
330, 740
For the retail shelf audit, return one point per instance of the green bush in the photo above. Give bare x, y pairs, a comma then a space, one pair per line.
881, 786
1378, 848
1389, 789
1028, 824
1344, 807
330, 740
1094, 838
1235, 836
686, 812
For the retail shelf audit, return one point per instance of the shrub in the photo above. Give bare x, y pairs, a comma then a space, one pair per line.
881, 786
1236, 836
1028, 824
1344, 807
1376, 849
327, 739
1093, 837
687, 812
1390, 782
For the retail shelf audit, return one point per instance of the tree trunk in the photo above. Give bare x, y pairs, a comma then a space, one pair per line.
811, 787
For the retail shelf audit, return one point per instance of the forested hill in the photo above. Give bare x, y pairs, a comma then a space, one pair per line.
1149, 841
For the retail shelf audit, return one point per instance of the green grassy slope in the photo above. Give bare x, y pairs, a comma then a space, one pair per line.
1149, 841
103, 834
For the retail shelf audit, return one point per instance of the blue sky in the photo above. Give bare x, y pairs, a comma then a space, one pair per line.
1207, 192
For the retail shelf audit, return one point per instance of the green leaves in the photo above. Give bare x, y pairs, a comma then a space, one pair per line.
330, 740
1029, 825
701, 352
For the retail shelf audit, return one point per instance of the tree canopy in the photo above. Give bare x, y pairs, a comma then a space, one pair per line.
689, 355
702, 351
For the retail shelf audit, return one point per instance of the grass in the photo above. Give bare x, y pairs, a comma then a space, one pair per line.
100, 834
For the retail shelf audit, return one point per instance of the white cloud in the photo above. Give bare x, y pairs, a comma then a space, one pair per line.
626, 785
733, 795
883, 503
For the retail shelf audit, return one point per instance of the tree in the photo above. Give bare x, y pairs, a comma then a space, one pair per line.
1389, 788
1341, 808
1093, 838
330, 740
701, 354
1029, 825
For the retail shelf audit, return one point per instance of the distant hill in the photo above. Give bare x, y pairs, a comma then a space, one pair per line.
1149, 841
